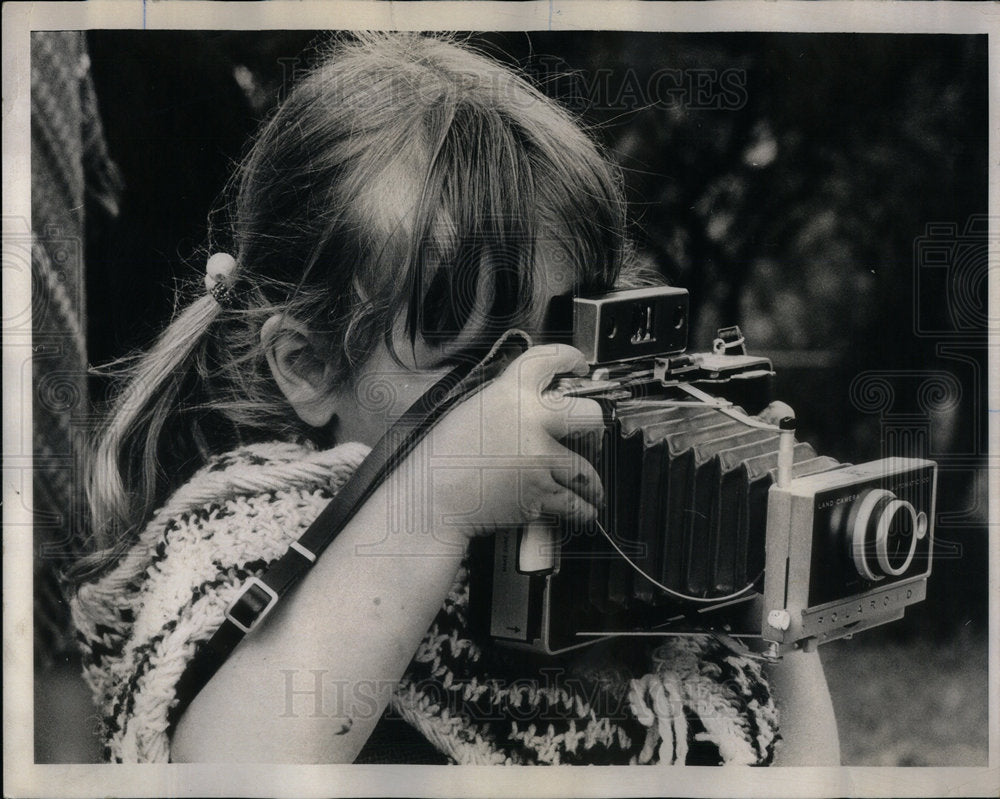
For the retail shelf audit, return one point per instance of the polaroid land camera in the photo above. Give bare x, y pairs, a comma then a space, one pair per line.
714, 520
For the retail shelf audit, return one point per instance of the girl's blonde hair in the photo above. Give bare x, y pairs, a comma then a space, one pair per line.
405, 177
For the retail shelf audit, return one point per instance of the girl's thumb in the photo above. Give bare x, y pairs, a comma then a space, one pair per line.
536, 367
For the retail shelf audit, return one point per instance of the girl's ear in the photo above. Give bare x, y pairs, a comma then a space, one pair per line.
299, 368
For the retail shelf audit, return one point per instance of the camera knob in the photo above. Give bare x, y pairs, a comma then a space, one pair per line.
779, 619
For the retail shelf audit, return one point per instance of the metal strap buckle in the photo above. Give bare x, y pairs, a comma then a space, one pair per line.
254, 602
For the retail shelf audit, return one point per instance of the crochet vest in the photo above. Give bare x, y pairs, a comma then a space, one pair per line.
681, 700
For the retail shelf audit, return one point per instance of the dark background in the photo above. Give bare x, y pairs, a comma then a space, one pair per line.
826, 192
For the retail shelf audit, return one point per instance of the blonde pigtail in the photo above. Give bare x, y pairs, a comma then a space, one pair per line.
151, 395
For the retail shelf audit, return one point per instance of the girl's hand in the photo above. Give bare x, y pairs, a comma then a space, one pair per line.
495, 461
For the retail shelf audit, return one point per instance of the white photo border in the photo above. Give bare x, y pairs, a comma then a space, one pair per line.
23, 778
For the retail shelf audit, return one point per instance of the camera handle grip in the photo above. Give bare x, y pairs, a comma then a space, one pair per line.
536, 548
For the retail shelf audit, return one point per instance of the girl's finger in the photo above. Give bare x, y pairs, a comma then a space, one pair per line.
581, 477
568, 415
568, 505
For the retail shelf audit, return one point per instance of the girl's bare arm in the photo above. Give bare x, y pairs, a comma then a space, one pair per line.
808, 727
311, 683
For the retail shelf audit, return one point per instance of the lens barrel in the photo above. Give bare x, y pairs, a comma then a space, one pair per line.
884, 534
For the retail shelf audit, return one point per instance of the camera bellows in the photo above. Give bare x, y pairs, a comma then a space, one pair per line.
687, 495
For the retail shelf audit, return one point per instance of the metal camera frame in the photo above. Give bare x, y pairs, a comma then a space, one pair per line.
644, 332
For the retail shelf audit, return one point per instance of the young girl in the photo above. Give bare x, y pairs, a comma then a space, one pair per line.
409, 202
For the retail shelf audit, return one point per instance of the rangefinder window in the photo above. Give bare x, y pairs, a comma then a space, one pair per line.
630, 324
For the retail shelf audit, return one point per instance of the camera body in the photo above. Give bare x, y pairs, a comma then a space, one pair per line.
715, 520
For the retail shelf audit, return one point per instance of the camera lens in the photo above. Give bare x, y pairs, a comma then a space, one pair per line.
896, 532
883, 537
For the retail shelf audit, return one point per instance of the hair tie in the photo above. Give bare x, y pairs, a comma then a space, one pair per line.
218, 277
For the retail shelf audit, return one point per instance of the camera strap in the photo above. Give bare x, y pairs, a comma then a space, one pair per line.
261, 594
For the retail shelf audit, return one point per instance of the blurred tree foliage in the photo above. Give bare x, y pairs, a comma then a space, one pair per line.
785, 179
788, 181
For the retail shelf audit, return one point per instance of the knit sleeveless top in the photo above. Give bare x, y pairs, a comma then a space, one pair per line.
680, 700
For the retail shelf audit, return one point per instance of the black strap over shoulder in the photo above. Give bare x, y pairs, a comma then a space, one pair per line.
261, 594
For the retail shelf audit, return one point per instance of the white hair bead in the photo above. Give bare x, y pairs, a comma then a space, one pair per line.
218, 274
